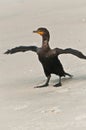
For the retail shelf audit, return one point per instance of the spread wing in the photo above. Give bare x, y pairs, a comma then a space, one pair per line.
70, 51
21, 49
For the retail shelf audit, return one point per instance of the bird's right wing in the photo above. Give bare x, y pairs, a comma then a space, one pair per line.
21, 49
70, 51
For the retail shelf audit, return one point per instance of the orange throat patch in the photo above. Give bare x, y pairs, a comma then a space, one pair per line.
41, 33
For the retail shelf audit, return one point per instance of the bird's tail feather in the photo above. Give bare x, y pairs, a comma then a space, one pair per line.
68, 74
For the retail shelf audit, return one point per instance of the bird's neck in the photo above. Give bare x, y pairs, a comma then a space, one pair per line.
45, 42
46, 37
45, 45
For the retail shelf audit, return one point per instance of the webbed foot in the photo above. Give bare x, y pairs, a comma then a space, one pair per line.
41, 86
58, 85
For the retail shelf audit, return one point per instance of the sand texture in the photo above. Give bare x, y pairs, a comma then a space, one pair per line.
21, 106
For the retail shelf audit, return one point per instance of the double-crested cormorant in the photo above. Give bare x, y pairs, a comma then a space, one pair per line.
48, 57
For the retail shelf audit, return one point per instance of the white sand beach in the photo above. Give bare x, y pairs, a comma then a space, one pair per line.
22, 107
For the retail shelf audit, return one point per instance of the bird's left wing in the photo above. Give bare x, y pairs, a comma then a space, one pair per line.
21, 49
70, 51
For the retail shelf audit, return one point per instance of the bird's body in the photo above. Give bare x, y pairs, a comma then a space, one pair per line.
50, 62
48, 57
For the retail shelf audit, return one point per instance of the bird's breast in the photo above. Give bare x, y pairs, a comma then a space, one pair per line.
48, 60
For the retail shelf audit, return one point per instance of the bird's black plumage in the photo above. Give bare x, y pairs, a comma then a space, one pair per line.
48, 57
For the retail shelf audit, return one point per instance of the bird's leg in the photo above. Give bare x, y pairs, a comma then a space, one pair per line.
46, 83
58, 84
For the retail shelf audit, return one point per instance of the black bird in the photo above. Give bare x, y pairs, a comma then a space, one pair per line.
48, 57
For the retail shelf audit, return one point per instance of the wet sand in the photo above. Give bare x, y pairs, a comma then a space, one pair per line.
21, 106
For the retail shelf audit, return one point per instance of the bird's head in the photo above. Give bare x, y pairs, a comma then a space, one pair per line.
43, 32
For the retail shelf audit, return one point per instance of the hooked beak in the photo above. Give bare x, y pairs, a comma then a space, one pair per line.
35, 32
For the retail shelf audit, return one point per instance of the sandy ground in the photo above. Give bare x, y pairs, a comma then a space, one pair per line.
21, 106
